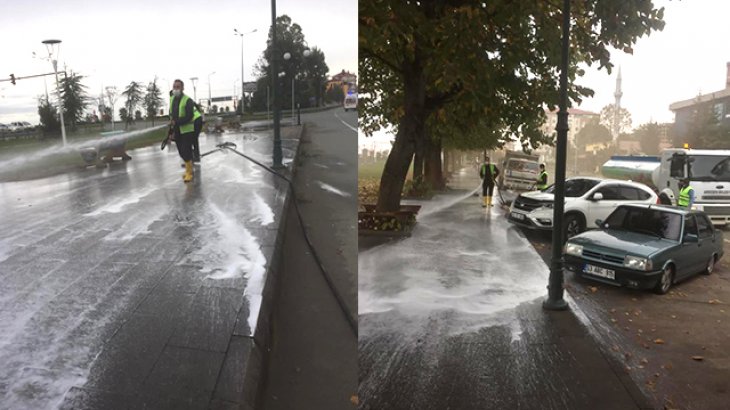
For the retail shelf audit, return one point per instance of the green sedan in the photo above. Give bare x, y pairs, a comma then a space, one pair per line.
646, 247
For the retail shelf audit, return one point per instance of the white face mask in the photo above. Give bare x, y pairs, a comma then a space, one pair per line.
176, 93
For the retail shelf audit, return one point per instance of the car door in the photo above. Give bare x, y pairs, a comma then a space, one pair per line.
706, 238
689, 256
601, 208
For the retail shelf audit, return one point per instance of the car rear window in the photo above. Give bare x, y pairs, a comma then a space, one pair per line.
647, 221
575, 187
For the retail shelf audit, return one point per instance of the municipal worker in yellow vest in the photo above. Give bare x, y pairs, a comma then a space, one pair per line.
488, 173
542, 179
686, 194
182, 117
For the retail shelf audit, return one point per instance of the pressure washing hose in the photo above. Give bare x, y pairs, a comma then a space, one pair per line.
352, 322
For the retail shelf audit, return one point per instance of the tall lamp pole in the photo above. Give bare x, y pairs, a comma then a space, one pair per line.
51, 47
275, 89
243, 94
209, 95
195, 90
555, 299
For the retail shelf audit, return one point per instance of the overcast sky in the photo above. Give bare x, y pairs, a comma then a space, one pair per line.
116, 42
688, 57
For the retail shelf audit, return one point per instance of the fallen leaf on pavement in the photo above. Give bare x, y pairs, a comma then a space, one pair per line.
674, 316
646, 345
614, 320
713, 301
613, 310
354, 400
698, 358
644, 361
659, 341
615, 348
593, 289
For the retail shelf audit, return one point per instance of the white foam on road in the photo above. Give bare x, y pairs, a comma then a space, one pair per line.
261, 210
116, 205
334, 190
232, 252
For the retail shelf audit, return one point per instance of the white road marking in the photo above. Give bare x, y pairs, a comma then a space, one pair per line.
346, 124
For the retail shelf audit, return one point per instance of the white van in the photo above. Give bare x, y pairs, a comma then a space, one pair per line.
350, 102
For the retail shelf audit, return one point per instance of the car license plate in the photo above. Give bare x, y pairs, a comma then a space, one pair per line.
599, 271
519, 217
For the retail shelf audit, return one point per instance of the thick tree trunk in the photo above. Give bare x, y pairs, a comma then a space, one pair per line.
410, 130
432, 171
418, 159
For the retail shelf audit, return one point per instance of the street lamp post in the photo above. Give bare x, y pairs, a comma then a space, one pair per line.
50, 45
555, 299
195, 90
287, 56
275, 89
243, 94
209, 95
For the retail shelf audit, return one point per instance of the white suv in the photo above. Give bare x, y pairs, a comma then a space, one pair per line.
586, 199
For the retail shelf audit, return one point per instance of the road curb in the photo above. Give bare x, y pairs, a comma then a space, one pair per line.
255, 351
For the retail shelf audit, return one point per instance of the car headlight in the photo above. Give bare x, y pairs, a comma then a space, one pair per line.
573, 249
633, 262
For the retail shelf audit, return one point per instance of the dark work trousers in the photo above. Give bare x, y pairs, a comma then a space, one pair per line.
184, 144
196, 143
487, 188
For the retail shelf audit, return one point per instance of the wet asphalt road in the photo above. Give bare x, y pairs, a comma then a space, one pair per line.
97, 263
313, 360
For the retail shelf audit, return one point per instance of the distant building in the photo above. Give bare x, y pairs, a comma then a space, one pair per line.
577, 119
685, 110
345, 79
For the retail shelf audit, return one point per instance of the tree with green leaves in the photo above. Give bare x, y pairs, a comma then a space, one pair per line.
593, 133
152, 100
624, 118
124, 114
50, 124
134, 95
308, 72
335, 94
484, 71
75, 98
649, 136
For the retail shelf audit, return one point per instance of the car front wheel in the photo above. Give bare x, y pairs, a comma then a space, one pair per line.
665, 282
573, 225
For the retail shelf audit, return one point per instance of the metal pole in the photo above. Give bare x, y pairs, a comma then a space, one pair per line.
243, 94
275, 91
60, 102
292, 99
555, 299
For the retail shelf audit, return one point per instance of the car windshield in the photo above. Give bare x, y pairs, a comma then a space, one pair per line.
522, 166
575, 187
655, 222
709, 168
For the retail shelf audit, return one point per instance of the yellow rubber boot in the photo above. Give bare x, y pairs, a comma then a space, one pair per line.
188, 176
484, 202
489, 201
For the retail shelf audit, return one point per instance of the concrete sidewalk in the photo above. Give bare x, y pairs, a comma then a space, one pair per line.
451, 318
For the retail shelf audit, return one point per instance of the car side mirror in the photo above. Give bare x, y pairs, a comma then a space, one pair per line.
691, 238
599, 223
597, 196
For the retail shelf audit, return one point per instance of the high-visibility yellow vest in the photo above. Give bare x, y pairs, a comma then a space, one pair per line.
540, 185
189, 127
684, 196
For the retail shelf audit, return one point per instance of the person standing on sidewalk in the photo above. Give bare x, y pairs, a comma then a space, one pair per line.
488, 173
542, 179
182, 118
